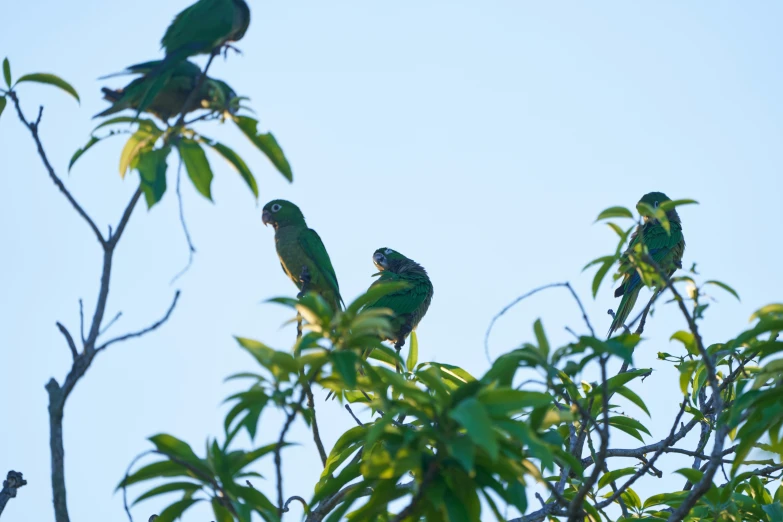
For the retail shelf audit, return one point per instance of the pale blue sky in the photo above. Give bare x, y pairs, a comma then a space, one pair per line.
479, 138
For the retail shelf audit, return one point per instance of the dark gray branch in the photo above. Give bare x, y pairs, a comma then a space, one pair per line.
11, 484
68, 339
143, 331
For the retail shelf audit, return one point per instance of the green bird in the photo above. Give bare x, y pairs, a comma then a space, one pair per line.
302, 253
666, 250
170, 101
205, 27
408, 304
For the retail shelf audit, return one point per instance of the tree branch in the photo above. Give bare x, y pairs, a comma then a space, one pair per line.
68, 339
33, 128
143, 331
278, 460
11, 484
316, 433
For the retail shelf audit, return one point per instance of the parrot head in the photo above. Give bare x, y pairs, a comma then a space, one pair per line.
654, 199
281, 213
220, 97
386, 258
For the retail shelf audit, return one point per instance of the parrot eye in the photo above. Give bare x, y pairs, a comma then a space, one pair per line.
277, 207
388, 251
655, 205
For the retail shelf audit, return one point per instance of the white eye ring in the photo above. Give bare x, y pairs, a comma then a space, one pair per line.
277, 207
388, 251
655, 205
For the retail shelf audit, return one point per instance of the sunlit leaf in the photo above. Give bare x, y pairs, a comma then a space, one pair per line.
413, 352
606, 478
50, 79
615, 212
140, 140
669, 205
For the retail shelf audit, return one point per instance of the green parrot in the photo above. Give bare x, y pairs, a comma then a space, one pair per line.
205, 27
665, 249
302, 253
170, 101
409, 304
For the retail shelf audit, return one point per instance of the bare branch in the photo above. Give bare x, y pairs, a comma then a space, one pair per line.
11, 484
291, 499
33, 128
144, 331
68, 338
110, 323
81, 320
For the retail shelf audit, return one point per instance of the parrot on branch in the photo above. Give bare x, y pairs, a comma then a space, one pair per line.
170, 101
203, 28
408, 304
302, 253
666, 249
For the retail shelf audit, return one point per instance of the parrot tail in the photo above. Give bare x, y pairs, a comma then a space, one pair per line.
626, 305
112, 96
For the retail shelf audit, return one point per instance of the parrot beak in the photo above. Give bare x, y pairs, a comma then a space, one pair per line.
266, 217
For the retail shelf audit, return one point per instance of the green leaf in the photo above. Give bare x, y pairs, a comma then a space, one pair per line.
221, 513
599, 276
472, 415
165, 468
541, 339
345, 364
669, 205
687, 339
506, 401
3, 101
770, 309
50, 79
79, 152
152, 171
413, 352
463, 450
693, 475
238, 163
187, 487
266, 143
606, 478
725, 287
621, 420
197, 165
7, 72
615, 212
775, 511
175, 510
634, 398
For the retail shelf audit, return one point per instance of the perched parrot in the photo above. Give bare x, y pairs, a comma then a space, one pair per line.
665, 249
409, 304
302, 253
170, 101
205, 27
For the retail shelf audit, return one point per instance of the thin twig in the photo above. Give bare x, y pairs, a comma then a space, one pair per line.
33, 128
429, 475
143, 331
191, 248
110, 323
81, 320
348, 407
316, 432
298, 499
68, 339
125, 479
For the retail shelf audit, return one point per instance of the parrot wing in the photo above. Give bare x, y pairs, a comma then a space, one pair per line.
314, 248
663, 249
199, 27
404, 301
